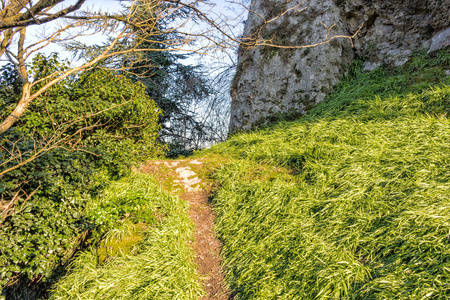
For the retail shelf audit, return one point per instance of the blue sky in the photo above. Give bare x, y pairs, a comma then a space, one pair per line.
221, 8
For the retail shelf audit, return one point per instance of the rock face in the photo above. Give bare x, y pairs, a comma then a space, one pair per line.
394, 29
273, 82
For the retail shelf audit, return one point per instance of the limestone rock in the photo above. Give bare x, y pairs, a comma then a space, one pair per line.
440, 40
393, 29
273, 82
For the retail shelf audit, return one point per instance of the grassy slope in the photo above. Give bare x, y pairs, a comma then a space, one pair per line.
349, 202
143, 261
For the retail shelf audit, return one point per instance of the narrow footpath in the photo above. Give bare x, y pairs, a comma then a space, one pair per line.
180, 177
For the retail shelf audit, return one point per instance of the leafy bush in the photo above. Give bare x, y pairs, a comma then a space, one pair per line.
104, 122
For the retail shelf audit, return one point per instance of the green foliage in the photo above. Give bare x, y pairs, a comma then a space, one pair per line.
108, 123
177, 88
9, 89
359, 208
177, 149
130, 204
128, 132
40, 234
160, 264
120, 241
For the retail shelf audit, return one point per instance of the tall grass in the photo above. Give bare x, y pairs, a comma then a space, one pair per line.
161, 264
359, 206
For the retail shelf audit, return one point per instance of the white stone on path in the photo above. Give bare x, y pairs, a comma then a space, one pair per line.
184, 174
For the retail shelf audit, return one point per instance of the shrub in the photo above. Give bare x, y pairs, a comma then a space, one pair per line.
105, 122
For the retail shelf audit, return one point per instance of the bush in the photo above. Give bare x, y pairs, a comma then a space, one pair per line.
105, 122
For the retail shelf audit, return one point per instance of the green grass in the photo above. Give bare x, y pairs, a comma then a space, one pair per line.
351, 201
135, 259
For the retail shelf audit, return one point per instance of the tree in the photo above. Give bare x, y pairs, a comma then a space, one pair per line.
130, 32
15, 20
173, 85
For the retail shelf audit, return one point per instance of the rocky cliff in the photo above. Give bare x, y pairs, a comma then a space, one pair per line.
288, 81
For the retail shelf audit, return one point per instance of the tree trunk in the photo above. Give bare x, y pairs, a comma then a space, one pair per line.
18, 111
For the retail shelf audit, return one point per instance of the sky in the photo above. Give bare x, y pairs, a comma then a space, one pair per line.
220, 8
103, 5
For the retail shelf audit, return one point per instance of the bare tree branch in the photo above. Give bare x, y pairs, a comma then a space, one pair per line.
10, 18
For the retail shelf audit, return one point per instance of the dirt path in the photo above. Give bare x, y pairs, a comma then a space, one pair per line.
180, 178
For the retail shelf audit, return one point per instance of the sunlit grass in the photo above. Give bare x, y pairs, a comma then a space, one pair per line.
360, 204
141, 261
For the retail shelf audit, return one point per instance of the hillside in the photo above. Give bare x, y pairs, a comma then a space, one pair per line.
330, 179
348, 202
